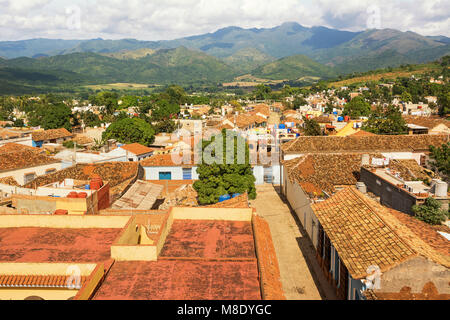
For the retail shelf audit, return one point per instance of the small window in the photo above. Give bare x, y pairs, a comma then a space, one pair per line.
52, 170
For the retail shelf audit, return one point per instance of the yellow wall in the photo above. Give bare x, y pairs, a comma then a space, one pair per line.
46, 293
134, 253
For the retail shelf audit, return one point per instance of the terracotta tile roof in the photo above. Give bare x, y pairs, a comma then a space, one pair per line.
240, 201
8, 134
83, 140
9, 181
38, 281
362, 133
365, 233
322, 172
322, 119
163, 160
15, 156
137, 149
410, 170
50, 134
378, 143
262, 108
418, 235
428, 122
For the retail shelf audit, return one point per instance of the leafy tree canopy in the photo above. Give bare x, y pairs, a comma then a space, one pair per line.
228, 177
311, 127
130, 130
440, 159
357, 108
386, 121
430, 212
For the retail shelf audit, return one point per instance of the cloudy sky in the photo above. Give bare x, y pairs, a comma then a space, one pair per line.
170, 19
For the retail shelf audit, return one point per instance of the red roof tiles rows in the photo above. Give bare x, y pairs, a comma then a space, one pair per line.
39, 281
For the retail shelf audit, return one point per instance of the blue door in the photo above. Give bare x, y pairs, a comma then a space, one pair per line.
165, 176
187, 173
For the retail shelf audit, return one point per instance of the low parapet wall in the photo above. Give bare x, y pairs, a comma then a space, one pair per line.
271, 287
55, 221
224, 214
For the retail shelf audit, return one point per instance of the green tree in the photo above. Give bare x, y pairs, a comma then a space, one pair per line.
430, 212
311, 127
165, 110
228, 177
406, 96
444, 104
357, 108
262, 92
440, 159
386, 121
129, 130
167, 126
52, 117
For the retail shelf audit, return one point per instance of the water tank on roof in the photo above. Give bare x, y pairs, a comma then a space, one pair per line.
281, 126
340, 119
96, 182
441, 188
225, 197
361, 186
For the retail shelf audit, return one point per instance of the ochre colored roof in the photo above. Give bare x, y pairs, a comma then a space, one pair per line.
427, 122
137, 149
366, 233
322, 172
38, 281
361, 237
378, 143
164, 160
9, 181
15, 156
50, 134
362, 133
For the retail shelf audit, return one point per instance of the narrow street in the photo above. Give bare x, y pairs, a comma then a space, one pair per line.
301, 276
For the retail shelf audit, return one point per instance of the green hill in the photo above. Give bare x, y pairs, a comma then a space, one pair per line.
247, 59
293, 68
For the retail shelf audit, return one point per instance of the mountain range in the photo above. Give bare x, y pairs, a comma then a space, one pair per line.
286, 52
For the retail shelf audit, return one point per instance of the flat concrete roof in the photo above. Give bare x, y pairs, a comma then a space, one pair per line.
37, 244
209, 239
181, 280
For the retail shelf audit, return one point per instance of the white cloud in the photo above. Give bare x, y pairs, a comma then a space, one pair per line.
156, 19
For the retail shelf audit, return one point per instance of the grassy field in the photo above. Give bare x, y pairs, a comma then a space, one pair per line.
123, 86
249, 81
399, 73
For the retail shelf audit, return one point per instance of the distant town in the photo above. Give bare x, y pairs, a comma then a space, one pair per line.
338, 190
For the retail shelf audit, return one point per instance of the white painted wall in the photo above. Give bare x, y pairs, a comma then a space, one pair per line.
152, 173
19, 174
301, 204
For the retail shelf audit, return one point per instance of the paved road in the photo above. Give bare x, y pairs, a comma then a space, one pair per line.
301, 276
